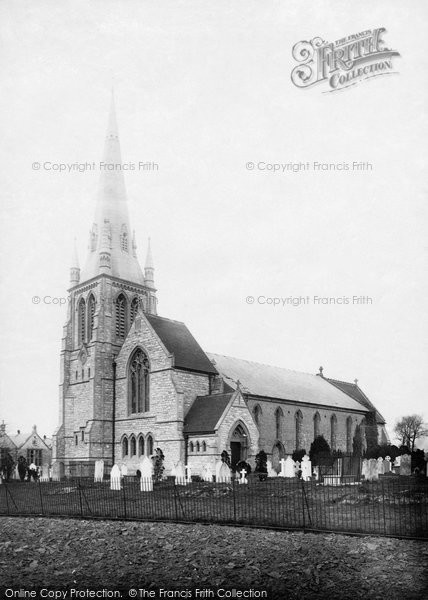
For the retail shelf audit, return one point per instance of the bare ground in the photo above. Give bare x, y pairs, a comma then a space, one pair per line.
65, 553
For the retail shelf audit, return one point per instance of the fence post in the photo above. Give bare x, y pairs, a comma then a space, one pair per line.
80, 499
124, 498
234, 500
383, 507
41, 497
7, 498
175, 502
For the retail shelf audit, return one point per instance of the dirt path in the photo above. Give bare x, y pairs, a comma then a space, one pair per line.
60, 554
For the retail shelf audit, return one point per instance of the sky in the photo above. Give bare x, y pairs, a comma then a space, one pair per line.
202, 90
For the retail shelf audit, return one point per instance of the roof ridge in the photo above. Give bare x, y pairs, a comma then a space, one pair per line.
254, 362
341, 381
167, 319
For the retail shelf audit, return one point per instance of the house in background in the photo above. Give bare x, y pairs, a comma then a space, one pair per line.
34, 448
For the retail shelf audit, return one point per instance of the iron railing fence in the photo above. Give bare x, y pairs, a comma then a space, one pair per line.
389, 507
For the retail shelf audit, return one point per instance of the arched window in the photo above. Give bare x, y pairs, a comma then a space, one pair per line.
81, 321
134, 309
333, 432
141, 446
149, 445
349, 434
125, 447
317, 424
133, 445
198, 447
257, 411
299, 418
139, 369
279, 415
204, 446
191, 447
121, 306
91, 316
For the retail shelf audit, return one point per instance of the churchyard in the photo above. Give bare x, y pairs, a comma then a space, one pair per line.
383, 503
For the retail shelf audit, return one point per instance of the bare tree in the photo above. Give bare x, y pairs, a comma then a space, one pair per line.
409, 429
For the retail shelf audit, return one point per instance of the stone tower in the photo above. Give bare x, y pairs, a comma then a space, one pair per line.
104, 299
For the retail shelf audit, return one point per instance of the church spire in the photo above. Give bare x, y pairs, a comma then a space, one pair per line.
149, 268
74, 267
110, 243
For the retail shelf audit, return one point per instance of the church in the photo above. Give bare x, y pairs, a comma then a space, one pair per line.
132, 381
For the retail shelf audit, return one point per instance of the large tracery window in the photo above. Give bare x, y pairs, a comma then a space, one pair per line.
121, 316
81, 321
278, 423
139, 370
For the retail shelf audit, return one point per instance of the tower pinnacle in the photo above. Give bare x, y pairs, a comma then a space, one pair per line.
74, 267
149, 268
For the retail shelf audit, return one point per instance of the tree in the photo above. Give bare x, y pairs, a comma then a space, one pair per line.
158, 467
319, 450
225, 457
370, 430
7, 465
410, 428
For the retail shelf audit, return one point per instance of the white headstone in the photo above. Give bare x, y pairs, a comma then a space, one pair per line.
243, 479
282, 471
270, 470
45, 473
189, 474
124, 470
306, 467
287, 467
56, 471
115, 478
99, 470
380, 468
224, 474
146, 470
387, 465
365, 469
180, 475
207, 474
317, 473
217, 469
405, 464
373, 470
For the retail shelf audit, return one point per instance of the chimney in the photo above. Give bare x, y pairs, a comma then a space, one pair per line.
356, 381
18, 432
3, 427
320, 374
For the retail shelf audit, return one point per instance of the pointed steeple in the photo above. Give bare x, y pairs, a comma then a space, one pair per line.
74, 267
149, 267
110, 246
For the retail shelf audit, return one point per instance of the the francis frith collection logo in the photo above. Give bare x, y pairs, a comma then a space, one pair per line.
342, 63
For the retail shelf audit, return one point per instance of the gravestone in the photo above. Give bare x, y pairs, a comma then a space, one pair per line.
45, 473
115, 478
207, 474
224, 474
56, 471
99, 470
270, 470
317, 473
217, 469
365, 468
405, 464
373, 472
180, 474
387, 465
16, 473
124, 470
380, 468
287, 467
306, 467
282, 465
146, 470
242, 478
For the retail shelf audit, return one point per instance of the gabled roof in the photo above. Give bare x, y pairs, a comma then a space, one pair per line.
178, 340
355, 392
205, 413
276, 382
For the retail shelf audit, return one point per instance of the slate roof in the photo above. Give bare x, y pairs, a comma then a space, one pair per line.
205, 413
276, 382
355, 392
179, 341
